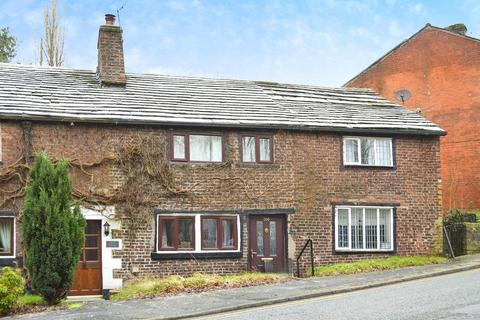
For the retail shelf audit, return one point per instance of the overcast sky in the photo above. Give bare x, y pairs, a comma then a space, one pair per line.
310, 42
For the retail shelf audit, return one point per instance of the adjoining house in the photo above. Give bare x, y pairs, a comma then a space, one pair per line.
436, 72
182, 174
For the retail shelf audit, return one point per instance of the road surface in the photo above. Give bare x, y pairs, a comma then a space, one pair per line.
455, 296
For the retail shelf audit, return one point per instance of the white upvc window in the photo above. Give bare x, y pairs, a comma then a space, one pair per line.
367, 151
363, 228
198, 233
7, 237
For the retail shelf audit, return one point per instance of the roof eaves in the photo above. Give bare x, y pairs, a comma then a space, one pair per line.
433, 131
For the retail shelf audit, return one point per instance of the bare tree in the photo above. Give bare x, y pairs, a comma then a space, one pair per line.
52, 43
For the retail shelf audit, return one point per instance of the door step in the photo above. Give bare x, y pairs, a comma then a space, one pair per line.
84, 298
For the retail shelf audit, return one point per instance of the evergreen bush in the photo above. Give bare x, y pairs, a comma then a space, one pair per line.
11, 289
53, 229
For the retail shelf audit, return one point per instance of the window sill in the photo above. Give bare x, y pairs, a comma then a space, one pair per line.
368, 166
364, 251
196, 255
199, 163
10, 261
258, 165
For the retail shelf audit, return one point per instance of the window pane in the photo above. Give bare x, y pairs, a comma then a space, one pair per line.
228, 232
273, 238
6, 226
179, 147
92, 227
260, 238
167, 233
91, 241
209, 233
205, 148
368, 151
357, 228
185, 233
264, 149
385, 229
91, 255
383, 154
248, 149
371, 228
351, 151
342, 228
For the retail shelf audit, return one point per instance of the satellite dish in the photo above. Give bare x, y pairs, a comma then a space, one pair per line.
403, 95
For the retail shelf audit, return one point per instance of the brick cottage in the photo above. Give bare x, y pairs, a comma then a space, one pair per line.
436, 71
178, 175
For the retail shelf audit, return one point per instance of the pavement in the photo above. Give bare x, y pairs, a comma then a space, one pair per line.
228, 300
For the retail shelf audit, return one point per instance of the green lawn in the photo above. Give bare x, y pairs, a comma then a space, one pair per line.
370, 265
30, 300
152, 287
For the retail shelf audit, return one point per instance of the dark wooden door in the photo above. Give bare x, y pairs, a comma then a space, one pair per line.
88, 276
267, 243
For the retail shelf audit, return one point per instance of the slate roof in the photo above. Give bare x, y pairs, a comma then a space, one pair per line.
59, 94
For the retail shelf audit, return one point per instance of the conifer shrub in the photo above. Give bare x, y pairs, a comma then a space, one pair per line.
52, 229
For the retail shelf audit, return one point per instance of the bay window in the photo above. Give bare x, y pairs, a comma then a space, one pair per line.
367, 151
363, 228
257, 148
196, 147
7, 231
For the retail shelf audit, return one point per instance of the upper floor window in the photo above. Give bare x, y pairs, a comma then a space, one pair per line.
257, 148
367, 151
6, 236
363, 228
196, 147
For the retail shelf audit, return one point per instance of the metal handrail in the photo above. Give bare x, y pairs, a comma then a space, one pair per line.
309, 241
452, 254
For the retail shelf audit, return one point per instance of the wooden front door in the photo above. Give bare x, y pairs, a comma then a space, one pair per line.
267, 243
88, 276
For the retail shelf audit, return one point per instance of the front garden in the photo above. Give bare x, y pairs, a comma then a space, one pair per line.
157, 287
370, 265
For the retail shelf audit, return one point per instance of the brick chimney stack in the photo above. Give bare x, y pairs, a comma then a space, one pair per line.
111, 66
459, 28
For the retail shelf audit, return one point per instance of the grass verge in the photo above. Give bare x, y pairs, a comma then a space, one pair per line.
370, 265
154, 287
30, 300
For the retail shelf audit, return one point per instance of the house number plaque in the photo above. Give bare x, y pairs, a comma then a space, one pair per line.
113, 244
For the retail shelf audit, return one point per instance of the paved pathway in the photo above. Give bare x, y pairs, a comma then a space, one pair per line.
187, 305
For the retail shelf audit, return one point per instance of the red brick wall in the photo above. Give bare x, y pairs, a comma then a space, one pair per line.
307, 175
442, 72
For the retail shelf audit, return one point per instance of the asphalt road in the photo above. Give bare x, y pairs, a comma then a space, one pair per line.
455, 296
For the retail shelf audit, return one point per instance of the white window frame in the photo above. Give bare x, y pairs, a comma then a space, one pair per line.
198, 233
364, 249
14, 237
359, 151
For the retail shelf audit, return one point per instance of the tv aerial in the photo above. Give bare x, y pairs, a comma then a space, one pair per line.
403, 95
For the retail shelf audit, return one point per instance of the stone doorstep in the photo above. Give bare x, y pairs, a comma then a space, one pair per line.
84, 298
